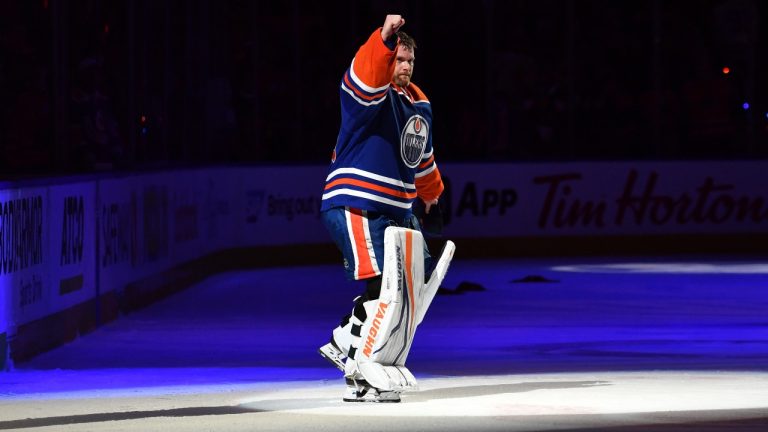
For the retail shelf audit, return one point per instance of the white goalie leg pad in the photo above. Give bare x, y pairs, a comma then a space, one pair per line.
388, 332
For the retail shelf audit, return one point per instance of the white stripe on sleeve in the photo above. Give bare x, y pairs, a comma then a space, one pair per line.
361, 84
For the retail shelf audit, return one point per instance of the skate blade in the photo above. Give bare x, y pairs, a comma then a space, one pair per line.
372, 400
331, 361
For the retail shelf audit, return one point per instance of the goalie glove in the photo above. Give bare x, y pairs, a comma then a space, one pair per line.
432, 222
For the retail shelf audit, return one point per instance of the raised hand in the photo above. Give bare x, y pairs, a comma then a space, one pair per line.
392, 24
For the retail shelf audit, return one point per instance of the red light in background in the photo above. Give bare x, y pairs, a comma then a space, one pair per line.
143, 119
726, 70
106, 28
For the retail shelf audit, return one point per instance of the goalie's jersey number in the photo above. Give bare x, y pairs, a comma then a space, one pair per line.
413, 140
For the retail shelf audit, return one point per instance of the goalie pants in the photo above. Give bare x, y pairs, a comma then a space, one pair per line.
359, 234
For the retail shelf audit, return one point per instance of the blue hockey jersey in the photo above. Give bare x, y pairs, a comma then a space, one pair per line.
383, 159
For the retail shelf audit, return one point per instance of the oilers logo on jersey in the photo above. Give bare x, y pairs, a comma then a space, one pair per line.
413, 140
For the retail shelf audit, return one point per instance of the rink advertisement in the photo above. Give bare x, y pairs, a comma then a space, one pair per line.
199, 203
620, 198
118, 231
71, 255
25, 256
279, 205
217, 200
48, 250
24, 281
150, 223
66, 243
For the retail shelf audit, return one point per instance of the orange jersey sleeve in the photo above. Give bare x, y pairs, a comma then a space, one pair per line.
430, 185
374, 64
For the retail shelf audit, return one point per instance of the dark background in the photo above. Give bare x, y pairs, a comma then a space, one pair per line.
123, 85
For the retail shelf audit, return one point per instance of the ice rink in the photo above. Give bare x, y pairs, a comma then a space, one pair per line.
576, 344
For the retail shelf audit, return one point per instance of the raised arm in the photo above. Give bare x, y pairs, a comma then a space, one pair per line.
366, 81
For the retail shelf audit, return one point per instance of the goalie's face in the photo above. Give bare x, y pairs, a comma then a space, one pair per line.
403, 66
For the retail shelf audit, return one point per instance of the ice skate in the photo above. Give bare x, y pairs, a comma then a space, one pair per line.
360, 391
333, 354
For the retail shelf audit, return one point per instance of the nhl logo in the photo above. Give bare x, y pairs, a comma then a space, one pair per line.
413, 140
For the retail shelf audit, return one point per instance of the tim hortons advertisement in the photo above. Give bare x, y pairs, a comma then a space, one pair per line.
489, 200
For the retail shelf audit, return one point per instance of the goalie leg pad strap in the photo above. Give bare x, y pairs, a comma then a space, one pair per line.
347, 334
